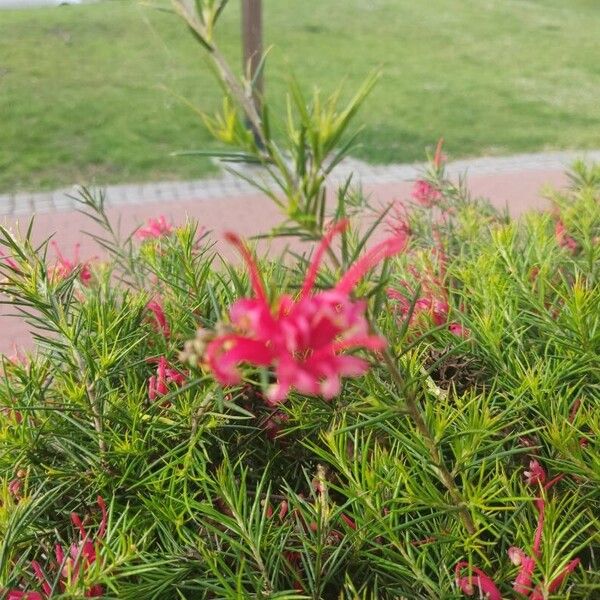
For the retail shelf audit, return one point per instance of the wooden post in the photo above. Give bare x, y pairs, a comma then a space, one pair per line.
252, 43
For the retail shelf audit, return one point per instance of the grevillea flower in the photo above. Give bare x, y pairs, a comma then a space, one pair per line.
64, 267
158, 385
303, 338
563, 238
539, 594
459, 330
155, 228
436, 308
536, 474
523, 583
10, 262
73, 565
425, 193
398, 221
476, 580
160, 320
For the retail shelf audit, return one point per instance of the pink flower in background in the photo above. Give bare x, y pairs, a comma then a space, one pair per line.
73, 565
539, 594
425, 194
64, 267
562, 238
304, 338
476, 580
536, 474
18, 595
158, 385
436, 307
523, 583
398, 221
10, 262
459, 331
155, 228
160, 320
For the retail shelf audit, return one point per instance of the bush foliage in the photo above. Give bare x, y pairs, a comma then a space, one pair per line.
460, 459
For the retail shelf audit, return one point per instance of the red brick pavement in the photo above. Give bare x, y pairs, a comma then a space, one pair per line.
249, 215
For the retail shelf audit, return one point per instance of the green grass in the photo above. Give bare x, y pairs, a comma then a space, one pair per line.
83, 89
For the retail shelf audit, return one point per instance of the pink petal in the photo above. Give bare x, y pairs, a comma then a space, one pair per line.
225, 353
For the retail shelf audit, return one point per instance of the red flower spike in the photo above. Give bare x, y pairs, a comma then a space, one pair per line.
73, 566
350, 522
313, 269
536, 474
554, 585
155, 228
255, 280
18, 595
39, 573
438, 157
563, 239
386, 249
486, 586
425, 194
165, 374
459, 331
523, 581
283, 510
160, 320
64, 267
10, 262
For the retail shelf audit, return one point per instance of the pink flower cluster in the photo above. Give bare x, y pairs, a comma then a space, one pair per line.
563, 239
303, 338
155, 228
72, 566
432, 303
64, 266
158, 385
523, 583
425, 193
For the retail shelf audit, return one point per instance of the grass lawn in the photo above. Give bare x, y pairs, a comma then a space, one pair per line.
91, 92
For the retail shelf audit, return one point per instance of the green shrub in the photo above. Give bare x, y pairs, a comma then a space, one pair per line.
458, 455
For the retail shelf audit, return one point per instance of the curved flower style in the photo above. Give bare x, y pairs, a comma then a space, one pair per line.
486, 586
304, 338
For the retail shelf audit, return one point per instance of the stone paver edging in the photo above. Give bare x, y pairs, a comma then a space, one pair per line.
228, 185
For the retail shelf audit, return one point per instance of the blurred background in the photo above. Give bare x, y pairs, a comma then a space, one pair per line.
103, 91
